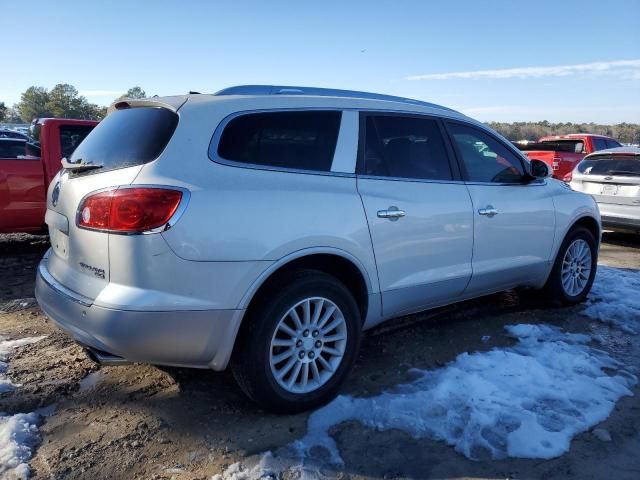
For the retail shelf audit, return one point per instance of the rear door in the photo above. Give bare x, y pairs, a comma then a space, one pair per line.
22, 192
419, 213
514, 220
118, 147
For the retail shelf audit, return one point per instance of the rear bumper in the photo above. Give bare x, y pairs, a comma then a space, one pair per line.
620, 217
190, 338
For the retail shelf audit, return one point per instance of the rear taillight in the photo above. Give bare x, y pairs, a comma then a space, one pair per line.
129, 210
568, 177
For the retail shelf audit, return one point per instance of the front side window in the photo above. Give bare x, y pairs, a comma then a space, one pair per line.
303, 140
405, 147
485, 158
612, 144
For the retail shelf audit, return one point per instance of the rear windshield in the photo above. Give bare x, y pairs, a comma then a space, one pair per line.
125, 138
573, 146
610, 166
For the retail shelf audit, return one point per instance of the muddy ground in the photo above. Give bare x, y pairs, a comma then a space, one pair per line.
145, 422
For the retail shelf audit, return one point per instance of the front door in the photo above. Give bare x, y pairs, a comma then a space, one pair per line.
420, 217
514, 219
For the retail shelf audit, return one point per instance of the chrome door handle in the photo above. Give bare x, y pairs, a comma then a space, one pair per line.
392, 213
489, 211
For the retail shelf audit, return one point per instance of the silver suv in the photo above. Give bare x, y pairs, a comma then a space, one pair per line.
267, 227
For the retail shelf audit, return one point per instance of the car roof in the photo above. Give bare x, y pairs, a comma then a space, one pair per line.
321, 92
258, 97
573, 136
626, 151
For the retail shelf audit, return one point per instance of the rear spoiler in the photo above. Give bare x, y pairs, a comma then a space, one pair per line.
171, 103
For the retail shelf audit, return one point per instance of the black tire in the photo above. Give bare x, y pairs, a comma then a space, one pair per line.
553, 289
250, 360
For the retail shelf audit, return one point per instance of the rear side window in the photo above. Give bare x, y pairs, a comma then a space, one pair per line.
485, 159
406, 147
300, 140
71, 136
125, 138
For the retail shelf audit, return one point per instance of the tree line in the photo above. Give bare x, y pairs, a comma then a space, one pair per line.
62, 101
624, 132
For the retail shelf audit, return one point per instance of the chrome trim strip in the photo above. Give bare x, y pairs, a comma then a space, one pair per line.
59, 288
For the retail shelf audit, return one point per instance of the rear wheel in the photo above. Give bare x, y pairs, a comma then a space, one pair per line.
574, 269
299, 343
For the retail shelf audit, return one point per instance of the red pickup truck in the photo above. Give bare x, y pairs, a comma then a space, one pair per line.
27, 167
563, 152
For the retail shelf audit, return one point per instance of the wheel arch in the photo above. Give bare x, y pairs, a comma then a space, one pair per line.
332, 261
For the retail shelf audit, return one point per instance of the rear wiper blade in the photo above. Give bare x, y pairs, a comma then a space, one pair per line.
78, 166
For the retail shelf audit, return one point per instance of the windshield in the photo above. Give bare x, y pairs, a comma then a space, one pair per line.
125, 138
610, 166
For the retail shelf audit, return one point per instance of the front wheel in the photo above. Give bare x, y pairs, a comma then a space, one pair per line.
574, 269
299, 343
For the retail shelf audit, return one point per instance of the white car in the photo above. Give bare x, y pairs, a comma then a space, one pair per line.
267, 227
613, 177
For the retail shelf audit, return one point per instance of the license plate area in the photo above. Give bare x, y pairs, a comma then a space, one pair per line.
59, 243
609, 190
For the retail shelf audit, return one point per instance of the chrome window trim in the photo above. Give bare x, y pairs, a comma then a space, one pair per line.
184, 202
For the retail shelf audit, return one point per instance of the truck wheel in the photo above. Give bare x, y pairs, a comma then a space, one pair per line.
299, 343
574, 269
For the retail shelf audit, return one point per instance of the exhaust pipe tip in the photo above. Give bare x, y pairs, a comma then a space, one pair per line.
105, 358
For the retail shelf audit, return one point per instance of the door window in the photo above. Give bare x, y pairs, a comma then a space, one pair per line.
485, 158
406, 147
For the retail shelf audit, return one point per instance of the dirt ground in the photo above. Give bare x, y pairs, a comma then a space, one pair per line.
146, 422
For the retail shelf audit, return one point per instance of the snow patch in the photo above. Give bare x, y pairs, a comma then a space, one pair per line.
524, 401
615, 298
18, 439
19, 432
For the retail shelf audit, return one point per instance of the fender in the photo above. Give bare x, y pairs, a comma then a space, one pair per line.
248, 296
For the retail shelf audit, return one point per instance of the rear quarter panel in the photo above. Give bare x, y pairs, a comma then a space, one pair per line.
239, 214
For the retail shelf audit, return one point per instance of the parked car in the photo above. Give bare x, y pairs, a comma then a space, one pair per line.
613, 178
27, 167
563, 152
267, 227
4, 133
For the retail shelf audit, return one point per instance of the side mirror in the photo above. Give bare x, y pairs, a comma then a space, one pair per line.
540, 169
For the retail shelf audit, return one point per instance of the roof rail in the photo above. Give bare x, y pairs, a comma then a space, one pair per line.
321, 92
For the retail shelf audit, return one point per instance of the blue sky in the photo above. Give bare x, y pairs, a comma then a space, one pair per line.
492, 59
